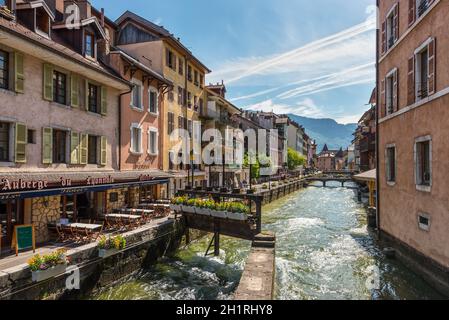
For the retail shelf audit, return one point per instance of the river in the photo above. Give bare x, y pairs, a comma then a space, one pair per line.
324, 251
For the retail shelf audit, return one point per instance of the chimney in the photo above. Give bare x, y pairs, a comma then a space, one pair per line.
102, 18
83, 5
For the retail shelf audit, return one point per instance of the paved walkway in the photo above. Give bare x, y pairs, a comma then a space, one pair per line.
10, 261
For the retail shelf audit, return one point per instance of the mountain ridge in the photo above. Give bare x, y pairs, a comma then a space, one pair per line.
327, 131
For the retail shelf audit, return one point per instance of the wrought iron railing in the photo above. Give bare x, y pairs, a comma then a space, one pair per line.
422, 90
423, 6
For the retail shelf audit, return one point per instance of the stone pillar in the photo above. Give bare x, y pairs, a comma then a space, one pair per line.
43, 211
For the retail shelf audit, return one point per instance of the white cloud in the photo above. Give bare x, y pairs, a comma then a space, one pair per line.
306, 107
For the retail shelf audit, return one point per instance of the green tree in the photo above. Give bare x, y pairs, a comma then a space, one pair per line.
255, 168
295, 159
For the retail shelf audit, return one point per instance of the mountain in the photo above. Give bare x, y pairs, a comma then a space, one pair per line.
327, 131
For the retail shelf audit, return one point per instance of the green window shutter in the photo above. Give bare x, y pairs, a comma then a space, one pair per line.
48, 82
20, 143
104, 100
74, 91
104, 154
19, 73
86, 95
47, 145
83, 148
74, 148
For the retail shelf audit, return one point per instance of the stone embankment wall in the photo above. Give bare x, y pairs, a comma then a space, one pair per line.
144, 247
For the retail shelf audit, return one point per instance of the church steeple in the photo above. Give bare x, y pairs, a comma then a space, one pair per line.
325, 149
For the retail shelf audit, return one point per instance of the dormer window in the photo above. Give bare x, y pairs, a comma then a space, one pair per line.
89, 45
42, 24
6, 5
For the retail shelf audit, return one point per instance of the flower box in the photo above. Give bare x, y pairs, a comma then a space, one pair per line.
237, 216
203, 211
219, 214
42, 275
175, 207
105, 253
188, 209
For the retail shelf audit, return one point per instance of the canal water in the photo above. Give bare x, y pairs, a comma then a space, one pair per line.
324, 251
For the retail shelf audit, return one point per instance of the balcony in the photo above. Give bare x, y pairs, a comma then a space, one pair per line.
368, 143
422, 90
422, 8
390, 42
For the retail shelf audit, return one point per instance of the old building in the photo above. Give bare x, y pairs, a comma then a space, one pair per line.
220, 115
59, 115
365, 139
166, 55
414, 95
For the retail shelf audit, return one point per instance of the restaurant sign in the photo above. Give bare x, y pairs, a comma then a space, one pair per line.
8, 185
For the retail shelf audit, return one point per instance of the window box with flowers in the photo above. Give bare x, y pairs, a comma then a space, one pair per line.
108, 246
48, 266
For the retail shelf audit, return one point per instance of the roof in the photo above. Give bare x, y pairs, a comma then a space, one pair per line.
141, 66
164, 33
63, 51
36, 4
366, 176
92, 20
223, 100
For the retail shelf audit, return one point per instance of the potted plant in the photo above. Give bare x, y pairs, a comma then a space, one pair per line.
220, 210
108, 246
237, 211
48, 266
176, 204
189, 206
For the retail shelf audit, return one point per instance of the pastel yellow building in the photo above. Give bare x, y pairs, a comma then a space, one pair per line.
166, 55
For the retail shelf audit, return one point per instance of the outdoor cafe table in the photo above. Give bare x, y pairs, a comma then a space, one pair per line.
124, 216
84, 226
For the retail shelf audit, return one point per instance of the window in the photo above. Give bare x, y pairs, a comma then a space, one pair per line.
152, 141
422, 73
180, 122
392, 31
189, 73
89, 45
181, 67
195, 103
153, 101
31, 135
424, 221
93, 98
391, 163
136, 97
170, 59
93, 149
42, 21
189, 99
423, 159
422, 6
197, 78
201, 80
391, 92
59, 87
180, 96
4, 141
171, 123
59, 146
4, 69
136, 139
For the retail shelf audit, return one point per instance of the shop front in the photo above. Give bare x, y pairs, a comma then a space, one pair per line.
43, 200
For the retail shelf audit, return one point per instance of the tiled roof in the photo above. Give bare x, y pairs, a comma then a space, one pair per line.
49, 44
157, 29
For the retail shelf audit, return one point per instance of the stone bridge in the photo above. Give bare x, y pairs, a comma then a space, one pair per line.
325, 178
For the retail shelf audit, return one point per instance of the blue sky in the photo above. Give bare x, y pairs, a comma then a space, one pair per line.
312, 58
